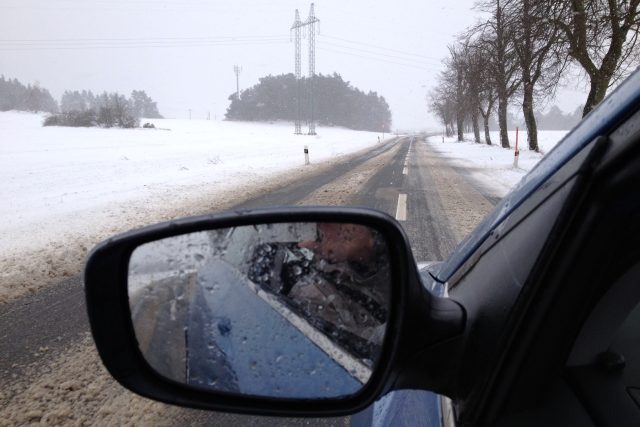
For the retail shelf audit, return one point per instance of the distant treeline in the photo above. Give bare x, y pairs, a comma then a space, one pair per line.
554, 119
335, 103
16, 96
84, 109
78, 108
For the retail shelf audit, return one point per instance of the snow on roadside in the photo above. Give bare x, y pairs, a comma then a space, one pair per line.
66, 188
492, 165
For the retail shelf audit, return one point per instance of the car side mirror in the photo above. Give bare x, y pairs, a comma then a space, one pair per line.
295, 311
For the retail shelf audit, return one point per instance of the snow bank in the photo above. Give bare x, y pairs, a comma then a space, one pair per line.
492, 165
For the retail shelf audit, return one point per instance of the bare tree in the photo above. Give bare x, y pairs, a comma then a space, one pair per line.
540, 55
497, 35
487, 93
443, 102
456, 67
478, 88
602, 36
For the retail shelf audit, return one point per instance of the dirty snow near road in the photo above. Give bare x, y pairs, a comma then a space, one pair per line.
491, 165
63, 189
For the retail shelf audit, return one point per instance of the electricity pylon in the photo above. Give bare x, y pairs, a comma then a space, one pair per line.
297, 27
311, 23
297, 34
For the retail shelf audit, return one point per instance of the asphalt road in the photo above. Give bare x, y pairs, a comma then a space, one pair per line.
56, 317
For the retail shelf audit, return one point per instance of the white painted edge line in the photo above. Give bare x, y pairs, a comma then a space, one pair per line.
401, 210
405, 170
353, 366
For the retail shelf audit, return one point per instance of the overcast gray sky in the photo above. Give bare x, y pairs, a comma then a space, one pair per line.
182, 52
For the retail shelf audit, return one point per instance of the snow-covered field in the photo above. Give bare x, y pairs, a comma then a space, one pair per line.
56, 172
64, 187
493, 165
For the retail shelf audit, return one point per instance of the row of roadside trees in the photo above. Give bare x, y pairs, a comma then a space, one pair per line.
523, 50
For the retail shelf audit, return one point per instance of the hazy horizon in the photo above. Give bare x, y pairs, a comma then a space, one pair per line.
183, 53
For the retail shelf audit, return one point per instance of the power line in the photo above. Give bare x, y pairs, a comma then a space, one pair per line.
128, 43
372, 58
381, 48
127, 39
386, 55
136, 45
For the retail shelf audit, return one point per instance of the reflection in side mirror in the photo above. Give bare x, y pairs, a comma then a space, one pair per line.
294, 310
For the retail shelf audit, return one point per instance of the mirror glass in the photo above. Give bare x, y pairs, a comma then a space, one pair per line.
295, 310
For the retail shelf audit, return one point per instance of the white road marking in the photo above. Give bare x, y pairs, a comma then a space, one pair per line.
352, 365
401, 211
404, 171
358, 370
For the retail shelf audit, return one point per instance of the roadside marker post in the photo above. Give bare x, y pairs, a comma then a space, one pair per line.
517, 153
306, 155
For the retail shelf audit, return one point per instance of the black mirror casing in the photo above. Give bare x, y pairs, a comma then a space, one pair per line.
417, 320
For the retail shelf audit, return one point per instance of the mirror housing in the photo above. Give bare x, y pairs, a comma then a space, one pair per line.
417, 320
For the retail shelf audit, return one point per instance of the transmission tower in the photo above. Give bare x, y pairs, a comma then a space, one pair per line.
311, 25
237, 69
297, 34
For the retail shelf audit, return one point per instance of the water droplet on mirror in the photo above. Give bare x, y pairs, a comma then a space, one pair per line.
212, 381
297, 270
279, 358
198, 257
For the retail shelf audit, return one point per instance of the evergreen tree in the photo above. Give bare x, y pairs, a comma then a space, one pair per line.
336, 103
143, 106
16, 96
